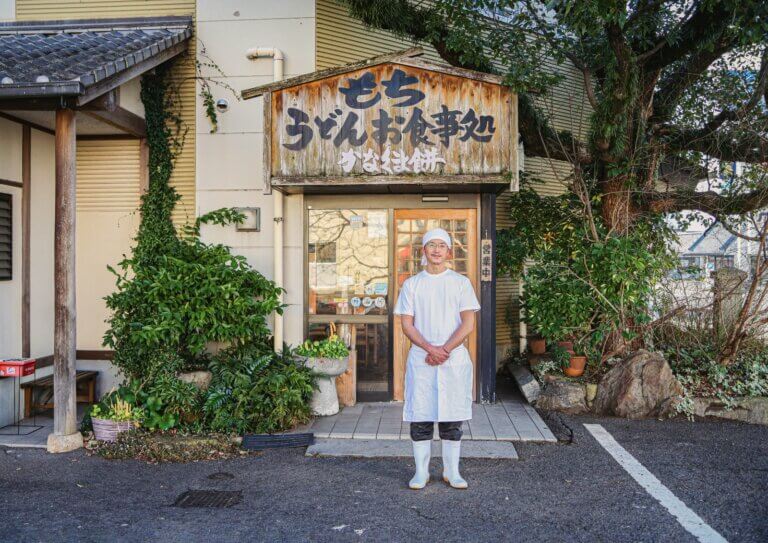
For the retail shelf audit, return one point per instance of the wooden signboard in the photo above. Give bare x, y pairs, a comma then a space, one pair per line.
399, 122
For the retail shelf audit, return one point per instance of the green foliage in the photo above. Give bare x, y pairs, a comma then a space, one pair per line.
332, 347
584, 282
693, 359
203, 62
535, 222
561, 357
199, 294
594, 288
176, 294
118, 410
257, 390
546, 367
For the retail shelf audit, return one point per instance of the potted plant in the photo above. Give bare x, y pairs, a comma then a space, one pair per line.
327, 358
537, 344
571, 363
576, 365
112, 419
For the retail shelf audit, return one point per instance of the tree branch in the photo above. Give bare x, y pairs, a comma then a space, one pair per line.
709, 202
700, 28
673, 86
739, 113
732, 145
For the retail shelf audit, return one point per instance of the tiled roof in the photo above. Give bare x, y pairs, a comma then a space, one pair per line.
55, 58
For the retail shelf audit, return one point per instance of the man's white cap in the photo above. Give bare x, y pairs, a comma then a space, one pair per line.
435, 233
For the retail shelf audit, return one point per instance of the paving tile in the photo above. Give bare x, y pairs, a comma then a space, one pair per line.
523, 424
481, 426
345, 425
501, 423
322, 426
368, 424
540, 424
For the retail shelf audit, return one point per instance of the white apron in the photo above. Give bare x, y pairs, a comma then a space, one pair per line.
440, 393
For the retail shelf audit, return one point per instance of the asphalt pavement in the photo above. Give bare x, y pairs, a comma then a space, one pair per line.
555, 492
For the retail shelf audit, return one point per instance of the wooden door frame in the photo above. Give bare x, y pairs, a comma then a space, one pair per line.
474, 345
346, 384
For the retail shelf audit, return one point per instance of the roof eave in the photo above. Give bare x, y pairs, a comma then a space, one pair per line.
42, 90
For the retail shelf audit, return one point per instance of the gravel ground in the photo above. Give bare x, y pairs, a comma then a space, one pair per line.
565, 492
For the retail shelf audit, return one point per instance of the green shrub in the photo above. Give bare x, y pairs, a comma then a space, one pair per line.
586, 290
256, 390
199, 294
176, 294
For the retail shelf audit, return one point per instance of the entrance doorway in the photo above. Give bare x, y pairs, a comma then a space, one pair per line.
411, 225
357, 259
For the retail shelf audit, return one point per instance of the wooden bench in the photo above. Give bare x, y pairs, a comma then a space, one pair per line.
85, 391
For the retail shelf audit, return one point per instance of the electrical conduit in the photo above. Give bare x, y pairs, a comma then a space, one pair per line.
277, 257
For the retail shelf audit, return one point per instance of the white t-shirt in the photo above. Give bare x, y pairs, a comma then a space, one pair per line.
435, 301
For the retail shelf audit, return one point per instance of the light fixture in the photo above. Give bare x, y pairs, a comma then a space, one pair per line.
252, 222
222, 105
434, 198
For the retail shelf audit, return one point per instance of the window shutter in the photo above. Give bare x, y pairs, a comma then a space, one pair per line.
6, 237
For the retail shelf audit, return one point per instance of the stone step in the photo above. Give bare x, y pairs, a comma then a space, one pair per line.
385, 448
526, 382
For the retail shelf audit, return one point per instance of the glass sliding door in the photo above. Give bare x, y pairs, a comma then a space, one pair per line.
348, 275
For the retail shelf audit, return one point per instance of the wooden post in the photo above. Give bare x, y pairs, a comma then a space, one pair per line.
487, 336
26, 240
65, 436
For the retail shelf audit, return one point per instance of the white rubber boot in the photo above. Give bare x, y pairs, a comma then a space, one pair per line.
422, 450
451, 454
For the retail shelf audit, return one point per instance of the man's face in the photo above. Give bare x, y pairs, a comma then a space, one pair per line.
437, 252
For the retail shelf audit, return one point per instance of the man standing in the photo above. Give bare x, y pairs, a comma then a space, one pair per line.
437, 309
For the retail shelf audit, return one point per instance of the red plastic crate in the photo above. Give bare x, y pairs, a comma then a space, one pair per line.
17, 367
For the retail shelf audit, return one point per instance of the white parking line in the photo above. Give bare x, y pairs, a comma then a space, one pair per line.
687, 518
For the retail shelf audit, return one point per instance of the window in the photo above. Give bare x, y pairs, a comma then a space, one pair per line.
719, 262
6, 237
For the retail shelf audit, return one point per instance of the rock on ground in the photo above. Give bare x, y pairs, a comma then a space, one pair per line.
641, 385
751, 410
564, 396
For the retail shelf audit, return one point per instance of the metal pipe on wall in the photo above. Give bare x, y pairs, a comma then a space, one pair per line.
278, 204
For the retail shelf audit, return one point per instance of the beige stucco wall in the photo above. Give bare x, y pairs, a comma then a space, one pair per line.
7, 10
130, 96
10, 291
41, 257
229, 162
41, 287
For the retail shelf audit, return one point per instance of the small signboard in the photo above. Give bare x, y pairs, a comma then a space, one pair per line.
486, 260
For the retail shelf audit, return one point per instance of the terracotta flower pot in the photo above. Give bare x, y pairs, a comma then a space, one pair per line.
538, 345
108, 430
576, 367
567, 345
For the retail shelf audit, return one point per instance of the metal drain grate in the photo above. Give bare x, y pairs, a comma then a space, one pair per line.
209, 498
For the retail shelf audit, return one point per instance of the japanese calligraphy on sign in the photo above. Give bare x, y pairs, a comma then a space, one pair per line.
392, 119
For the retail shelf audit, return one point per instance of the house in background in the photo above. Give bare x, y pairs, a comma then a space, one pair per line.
249, 44
716, 248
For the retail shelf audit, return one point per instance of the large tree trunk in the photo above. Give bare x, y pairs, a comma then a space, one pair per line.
616, 207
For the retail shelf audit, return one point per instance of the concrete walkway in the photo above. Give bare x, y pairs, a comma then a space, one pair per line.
33, 432
508, 419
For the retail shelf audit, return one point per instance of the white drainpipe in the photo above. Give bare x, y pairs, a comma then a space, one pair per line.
277, 75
